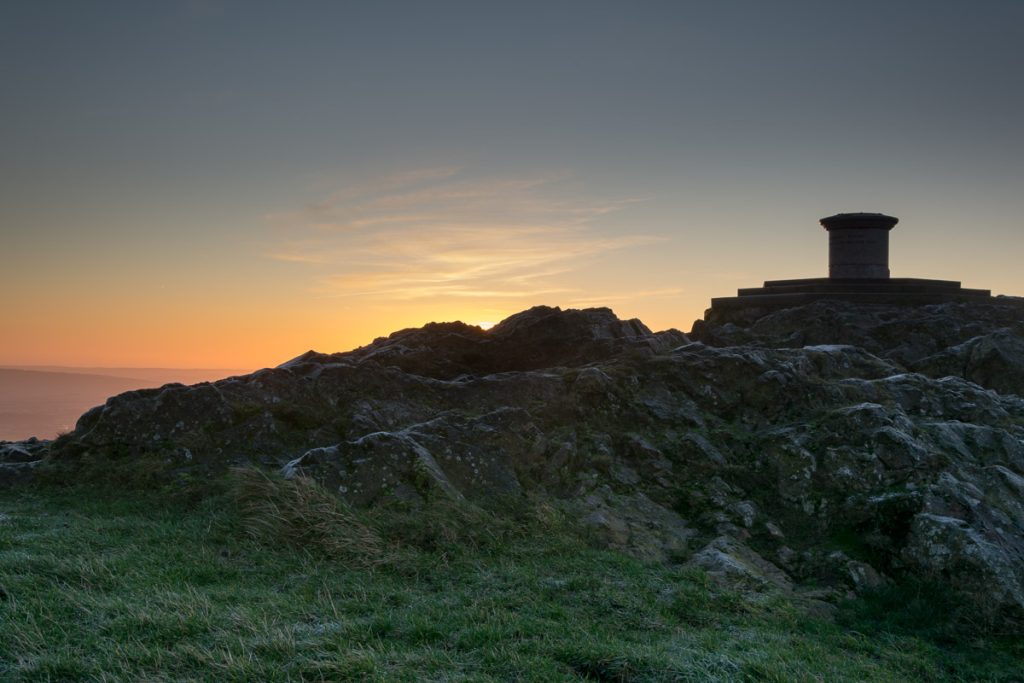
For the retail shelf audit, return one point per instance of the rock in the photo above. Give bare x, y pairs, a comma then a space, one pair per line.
541, 337
731, 562
20, 459
452, 453
17, 453
901, 333
374, 467
634, 524
745, 513
988, 565
863, 576
785, 557
860, 576
994, 360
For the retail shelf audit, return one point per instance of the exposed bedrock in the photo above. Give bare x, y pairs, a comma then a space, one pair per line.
841, 444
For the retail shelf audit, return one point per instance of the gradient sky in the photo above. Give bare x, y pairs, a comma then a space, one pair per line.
227, 184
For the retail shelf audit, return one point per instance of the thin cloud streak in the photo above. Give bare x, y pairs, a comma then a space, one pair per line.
444, 233
296, 258
605, 299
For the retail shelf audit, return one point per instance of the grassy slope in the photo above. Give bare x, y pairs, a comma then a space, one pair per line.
133, 587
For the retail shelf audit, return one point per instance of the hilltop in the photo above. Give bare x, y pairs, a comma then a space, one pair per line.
818, 451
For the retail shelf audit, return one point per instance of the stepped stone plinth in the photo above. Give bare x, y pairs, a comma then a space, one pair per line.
858, 273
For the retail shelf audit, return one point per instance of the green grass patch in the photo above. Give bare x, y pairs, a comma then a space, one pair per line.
275, 581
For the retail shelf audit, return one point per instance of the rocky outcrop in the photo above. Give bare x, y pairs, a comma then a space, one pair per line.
541, 337
994, 360
836, 445
980, 342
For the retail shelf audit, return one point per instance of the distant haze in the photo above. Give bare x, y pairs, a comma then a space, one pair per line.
43, 402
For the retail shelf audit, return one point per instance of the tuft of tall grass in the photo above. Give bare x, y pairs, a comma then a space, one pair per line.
301, 513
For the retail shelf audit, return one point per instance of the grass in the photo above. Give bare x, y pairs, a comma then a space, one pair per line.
301, 513
274, 581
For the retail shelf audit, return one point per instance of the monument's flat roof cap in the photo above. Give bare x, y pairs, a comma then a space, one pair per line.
862, 221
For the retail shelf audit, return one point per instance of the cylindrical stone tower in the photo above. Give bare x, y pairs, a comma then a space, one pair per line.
858, 245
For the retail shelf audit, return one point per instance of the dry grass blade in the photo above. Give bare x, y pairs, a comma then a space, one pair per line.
300, 512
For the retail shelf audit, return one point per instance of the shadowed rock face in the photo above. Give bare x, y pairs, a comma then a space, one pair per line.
541, 337
983, 342
18, 460
837, 443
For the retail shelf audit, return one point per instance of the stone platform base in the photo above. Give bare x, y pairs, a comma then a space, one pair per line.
779, 294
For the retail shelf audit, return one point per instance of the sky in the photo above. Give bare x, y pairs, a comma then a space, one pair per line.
204, 183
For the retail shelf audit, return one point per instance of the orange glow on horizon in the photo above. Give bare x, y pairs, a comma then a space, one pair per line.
237, 337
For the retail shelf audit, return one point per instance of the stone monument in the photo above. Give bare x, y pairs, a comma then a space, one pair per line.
858, 268
858, 245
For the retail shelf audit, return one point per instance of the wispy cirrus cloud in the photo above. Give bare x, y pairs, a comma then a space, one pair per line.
445, 232
605, 299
